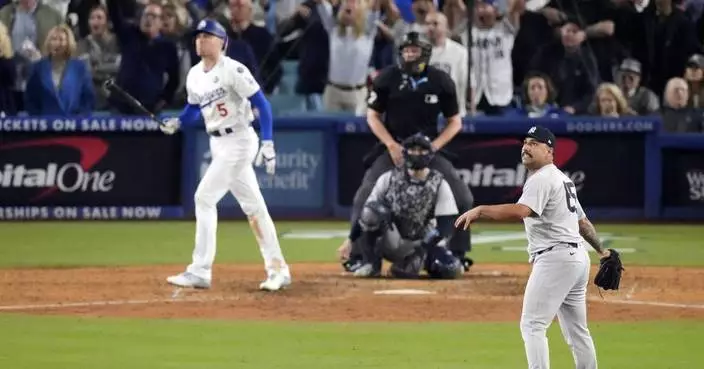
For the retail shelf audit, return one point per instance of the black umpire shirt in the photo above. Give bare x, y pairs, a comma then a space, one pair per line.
412, 105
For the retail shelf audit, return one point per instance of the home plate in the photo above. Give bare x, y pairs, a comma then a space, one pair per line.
403, 292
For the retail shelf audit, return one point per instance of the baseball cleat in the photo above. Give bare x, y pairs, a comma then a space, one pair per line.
367, 271
188, 280
275, 282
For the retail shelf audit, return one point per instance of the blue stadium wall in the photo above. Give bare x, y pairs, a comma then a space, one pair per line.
114, 167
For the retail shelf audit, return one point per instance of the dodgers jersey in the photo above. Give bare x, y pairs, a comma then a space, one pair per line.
222, 93
553, 198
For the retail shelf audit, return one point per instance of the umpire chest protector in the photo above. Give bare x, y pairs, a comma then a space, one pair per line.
413, 103
412, 202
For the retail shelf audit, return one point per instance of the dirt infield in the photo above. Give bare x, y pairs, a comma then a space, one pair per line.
320, 292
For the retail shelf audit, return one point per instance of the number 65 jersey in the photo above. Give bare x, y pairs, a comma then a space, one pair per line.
222, 93
556, 210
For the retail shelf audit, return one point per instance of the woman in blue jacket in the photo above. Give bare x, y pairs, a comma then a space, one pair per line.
59, 84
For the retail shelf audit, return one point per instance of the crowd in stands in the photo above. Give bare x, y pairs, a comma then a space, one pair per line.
608, 58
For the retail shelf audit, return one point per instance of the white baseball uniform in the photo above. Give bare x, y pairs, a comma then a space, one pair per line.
558, 281
222, 94
492, 71
452, 59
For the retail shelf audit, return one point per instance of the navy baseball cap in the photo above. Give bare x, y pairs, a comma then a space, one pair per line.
542, 134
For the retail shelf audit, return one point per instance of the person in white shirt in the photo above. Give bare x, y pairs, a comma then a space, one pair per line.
351, 44
222, 92
448, 56
555, 226
492, 43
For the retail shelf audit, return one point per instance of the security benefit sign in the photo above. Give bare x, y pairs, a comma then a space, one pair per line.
104, 175
683, 178
608, 170
299, 181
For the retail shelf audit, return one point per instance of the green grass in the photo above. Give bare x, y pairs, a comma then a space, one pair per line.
118, 343
39, 342
143, 243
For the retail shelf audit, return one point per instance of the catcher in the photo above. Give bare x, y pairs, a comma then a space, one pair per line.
406, 220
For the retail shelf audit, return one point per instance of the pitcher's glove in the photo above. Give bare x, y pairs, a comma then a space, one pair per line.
609, 275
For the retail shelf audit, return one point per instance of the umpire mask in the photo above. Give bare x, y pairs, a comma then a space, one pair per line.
414, 54
417, 152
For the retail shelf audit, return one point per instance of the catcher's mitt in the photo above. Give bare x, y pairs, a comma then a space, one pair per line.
609, 275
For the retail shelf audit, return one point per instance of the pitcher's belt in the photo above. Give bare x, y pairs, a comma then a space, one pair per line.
570, 244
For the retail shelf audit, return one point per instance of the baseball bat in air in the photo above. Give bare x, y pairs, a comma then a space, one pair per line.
111, 86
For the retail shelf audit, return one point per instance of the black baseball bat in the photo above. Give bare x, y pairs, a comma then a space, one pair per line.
111, 86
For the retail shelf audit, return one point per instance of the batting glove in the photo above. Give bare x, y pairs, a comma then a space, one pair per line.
170, 125
266, 156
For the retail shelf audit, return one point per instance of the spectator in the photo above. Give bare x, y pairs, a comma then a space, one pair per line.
61, 6
384, 47
668, 41
455, 12
236, 49
314, 52
79, 13
100, 50
538, 99
534, 31
641, 99
491, 76
449, 56
146, 58
571, 65
597, 18
59, 84
677, 117
7, 74
351, 43
693, 76
609, 102
175, 29
28, 22
420, 9
260, 40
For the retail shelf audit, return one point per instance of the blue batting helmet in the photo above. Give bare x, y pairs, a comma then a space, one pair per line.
214, 28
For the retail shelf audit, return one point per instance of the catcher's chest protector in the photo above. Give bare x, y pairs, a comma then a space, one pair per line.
412, 202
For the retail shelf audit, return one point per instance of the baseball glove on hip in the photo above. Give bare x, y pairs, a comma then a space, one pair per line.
609, 275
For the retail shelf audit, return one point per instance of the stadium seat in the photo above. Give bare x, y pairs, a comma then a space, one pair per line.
283, 104
290, 67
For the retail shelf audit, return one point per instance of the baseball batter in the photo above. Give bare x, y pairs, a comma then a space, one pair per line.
223, 92
554, 221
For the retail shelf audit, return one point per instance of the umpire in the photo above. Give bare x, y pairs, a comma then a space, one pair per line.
407, 99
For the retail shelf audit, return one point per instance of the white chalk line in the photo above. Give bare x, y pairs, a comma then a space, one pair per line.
113, 303
233, 298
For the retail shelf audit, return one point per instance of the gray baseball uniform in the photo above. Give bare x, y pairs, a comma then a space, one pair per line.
414, 205
558, 281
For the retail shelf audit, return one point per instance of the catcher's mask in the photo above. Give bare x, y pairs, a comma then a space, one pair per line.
409, 62
417, 152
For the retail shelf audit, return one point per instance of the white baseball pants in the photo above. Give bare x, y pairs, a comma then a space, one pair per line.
231, 170
558, 286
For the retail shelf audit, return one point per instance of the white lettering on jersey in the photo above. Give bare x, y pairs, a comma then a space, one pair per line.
222, 93
212, 96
